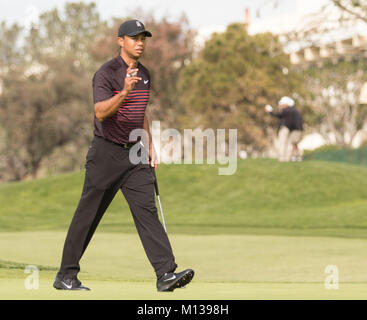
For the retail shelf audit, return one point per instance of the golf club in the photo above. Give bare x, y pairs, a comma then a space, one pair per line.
159, 200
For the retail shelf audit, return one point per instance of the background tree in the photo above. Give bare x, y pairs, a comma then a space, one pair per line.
355, 8
334, 96
10, 52
233, 78
69, 32
41, 113
46, 90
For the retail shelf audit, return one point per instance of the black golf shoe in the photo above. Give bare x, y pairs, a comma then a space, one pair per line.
68, 284
171, 281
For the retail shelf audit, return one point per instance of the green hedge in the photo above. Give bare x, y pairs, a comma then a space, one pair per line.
338, 154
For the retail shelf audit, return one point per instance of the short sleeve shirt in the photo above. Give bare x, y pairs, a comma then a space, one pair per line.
109, 81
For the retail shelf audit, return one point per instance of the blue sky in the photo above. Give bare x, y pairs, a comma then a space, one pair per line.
205, 16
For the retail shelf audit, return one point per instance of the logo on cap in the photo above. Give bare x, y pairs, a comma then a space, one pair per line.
138, 24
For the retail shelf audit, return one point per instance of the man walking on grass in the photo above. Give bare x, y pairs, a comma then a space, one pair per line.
121, 93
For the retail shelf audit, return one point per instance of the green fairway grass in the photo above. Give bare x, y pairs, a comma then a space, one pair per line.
263, 197
267, 232
227, 267
122, 290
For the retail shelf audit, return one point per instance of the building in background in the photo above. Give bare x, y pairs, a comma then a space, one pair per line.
349, 49
348, 45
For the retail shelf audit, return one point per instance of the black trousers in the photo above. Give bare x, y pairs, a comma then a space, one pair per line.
109, 169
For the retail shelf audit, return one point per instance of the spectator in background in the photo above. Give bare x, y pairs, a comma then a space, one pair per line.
290, 128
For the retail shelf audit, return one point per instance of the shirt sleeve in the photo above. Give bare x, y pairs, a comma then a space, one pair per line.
102, 89
278, 115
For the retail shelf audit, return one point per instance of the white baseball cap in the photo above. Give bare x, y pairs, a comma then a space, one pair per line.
286, 100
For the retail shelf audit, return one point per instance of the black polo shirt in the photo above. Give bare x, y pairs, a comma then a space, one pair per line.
108, 81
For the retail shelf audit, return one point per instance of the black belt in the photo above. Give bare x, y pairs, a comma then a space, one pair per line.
127, 145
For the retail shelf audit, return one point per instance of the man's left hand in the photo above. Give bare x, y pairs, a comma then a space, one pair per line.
153, 161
